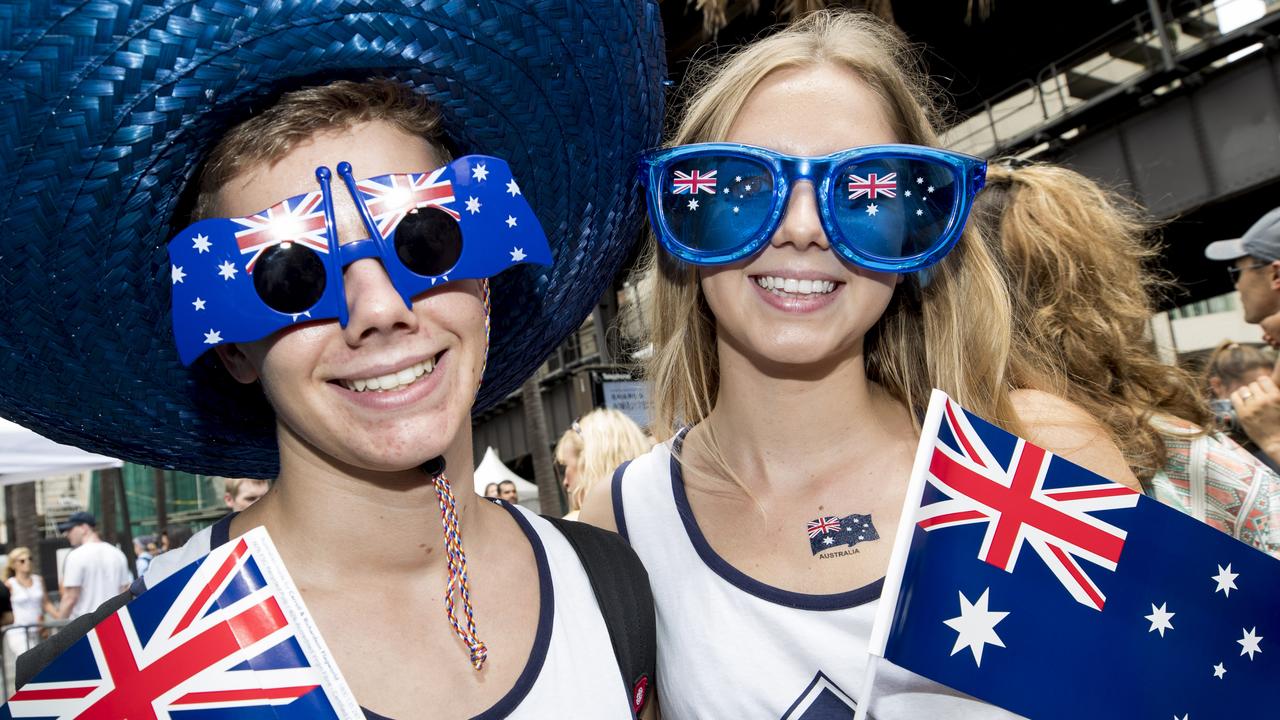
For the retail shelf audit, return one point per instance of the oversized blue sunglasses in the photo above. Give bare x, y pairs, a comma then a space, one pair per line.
242, 279
891, 208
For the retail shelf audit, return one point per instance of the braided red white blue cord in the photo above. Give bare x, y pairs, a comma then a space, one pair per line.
458, 583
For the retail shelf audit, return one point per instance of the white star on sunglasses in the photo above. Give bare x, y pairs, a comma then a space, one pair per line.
201, 243
227, 270
198, 304
480, 173
511, 221
473, 205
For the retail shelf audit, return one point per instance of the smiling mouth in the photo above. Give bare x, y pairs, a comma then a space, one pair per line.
792, 288
392, 382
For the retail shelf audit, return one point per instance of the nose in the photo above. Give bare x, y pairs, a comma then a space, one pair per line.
801, 225
374, 306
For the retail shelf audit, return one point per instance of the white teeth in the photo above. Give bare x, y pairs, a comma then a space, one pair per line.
392, 381
792, 286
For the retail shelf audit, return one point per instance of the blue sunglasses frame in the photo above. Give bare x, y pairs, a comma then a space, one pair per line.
970, 175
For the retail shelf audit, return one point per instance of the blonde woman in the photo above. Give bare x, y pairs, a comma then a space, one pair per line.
803, 310
30, 602
589, 451
1075, 254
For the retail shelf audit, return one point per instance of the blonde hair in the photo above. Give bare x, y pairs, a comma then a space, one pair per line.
601, 440
15, 555
299, 115
928, 336
232, 485
1076, 255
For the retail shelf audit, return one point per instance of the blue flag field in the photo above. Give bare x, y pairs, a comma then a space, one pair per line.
1038, 586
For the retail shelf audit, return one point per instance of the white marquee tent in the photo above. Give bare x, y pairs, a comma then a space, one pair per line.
492, 470
26, 456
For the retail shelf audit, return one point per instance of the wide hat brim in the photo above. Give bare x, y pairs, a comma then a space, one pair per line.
108, 108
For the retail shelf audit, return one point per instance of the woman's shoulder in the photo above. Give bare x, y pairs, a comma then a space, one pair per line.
1069, 431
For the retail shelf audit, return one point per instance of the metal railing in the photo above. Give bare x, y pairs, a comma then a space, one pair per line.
17, 639
1114, 64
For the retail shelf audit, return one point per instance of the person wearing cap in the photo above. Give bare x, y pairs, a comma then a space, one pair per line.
1255, 270
352, 267
93, 572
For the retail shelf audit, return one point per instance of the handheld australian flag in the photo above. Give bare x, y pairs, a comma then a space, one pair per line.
1038, 586
225, 637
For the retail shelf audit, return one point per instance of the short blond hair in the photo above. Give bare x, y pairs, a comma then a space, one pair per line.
299, 115
602, 440
15, 555
233, 485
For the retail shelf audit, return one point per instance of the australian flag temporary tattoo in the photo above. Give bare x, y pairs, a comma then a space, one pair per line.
827, 533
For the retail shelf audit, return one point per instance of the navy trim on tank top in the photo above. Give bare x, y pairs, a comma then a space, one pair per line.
221, 533
619, 517
739, 579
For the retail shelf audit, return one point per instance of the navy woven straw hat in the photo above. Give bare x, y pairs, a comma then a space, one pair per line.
107, 109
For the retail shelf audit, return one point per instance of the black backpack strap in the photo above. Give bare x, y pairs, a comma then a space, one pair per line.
31, 662
621, 586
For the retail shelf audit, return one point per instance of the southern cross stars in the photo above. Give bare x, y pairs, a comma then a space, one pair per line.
1226, 580
1159, 618
473, 205
975, 626
512, 188
202, 243
198, 304
227, 270
511, 221
213, 337
1219, 671
1249, 643
517, 254
480, 173
178, 274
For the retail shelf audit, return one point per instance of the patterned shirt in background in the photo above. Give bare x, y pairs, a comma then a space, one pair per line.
1241, 494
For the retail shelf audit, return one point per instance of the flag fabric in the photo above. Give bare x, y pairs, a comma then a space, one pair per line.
212, 262
1029, 582
225, 637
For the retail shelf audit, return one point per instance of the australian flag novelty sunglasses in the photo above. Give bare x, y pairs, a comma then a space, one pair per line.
241, 279
891, 208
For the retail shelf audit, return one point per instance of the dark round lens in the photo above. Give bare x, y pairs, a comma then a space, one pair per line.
428, 242
289, 277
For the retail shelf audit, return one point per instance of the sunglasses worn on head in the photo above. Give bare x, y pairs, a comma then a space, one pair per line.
891, 208
242, 279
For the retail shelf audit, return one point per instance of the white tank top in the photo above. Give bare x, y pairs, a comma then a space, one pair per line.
732, 647
28, 602
571, 671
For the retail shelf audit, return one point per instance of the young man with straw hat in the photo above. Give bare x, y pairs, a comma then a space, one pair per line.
359, 255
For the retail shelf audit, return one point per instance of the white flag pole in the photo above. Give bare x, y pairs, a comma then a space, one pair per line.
901, 546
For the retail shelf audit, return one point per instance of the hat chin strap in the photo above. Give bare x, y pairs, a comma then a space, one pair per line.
458, 583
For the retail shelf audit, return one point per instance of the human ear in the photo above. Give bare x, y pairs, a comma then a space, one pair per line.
1215, 385
237, 363
1275, 275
